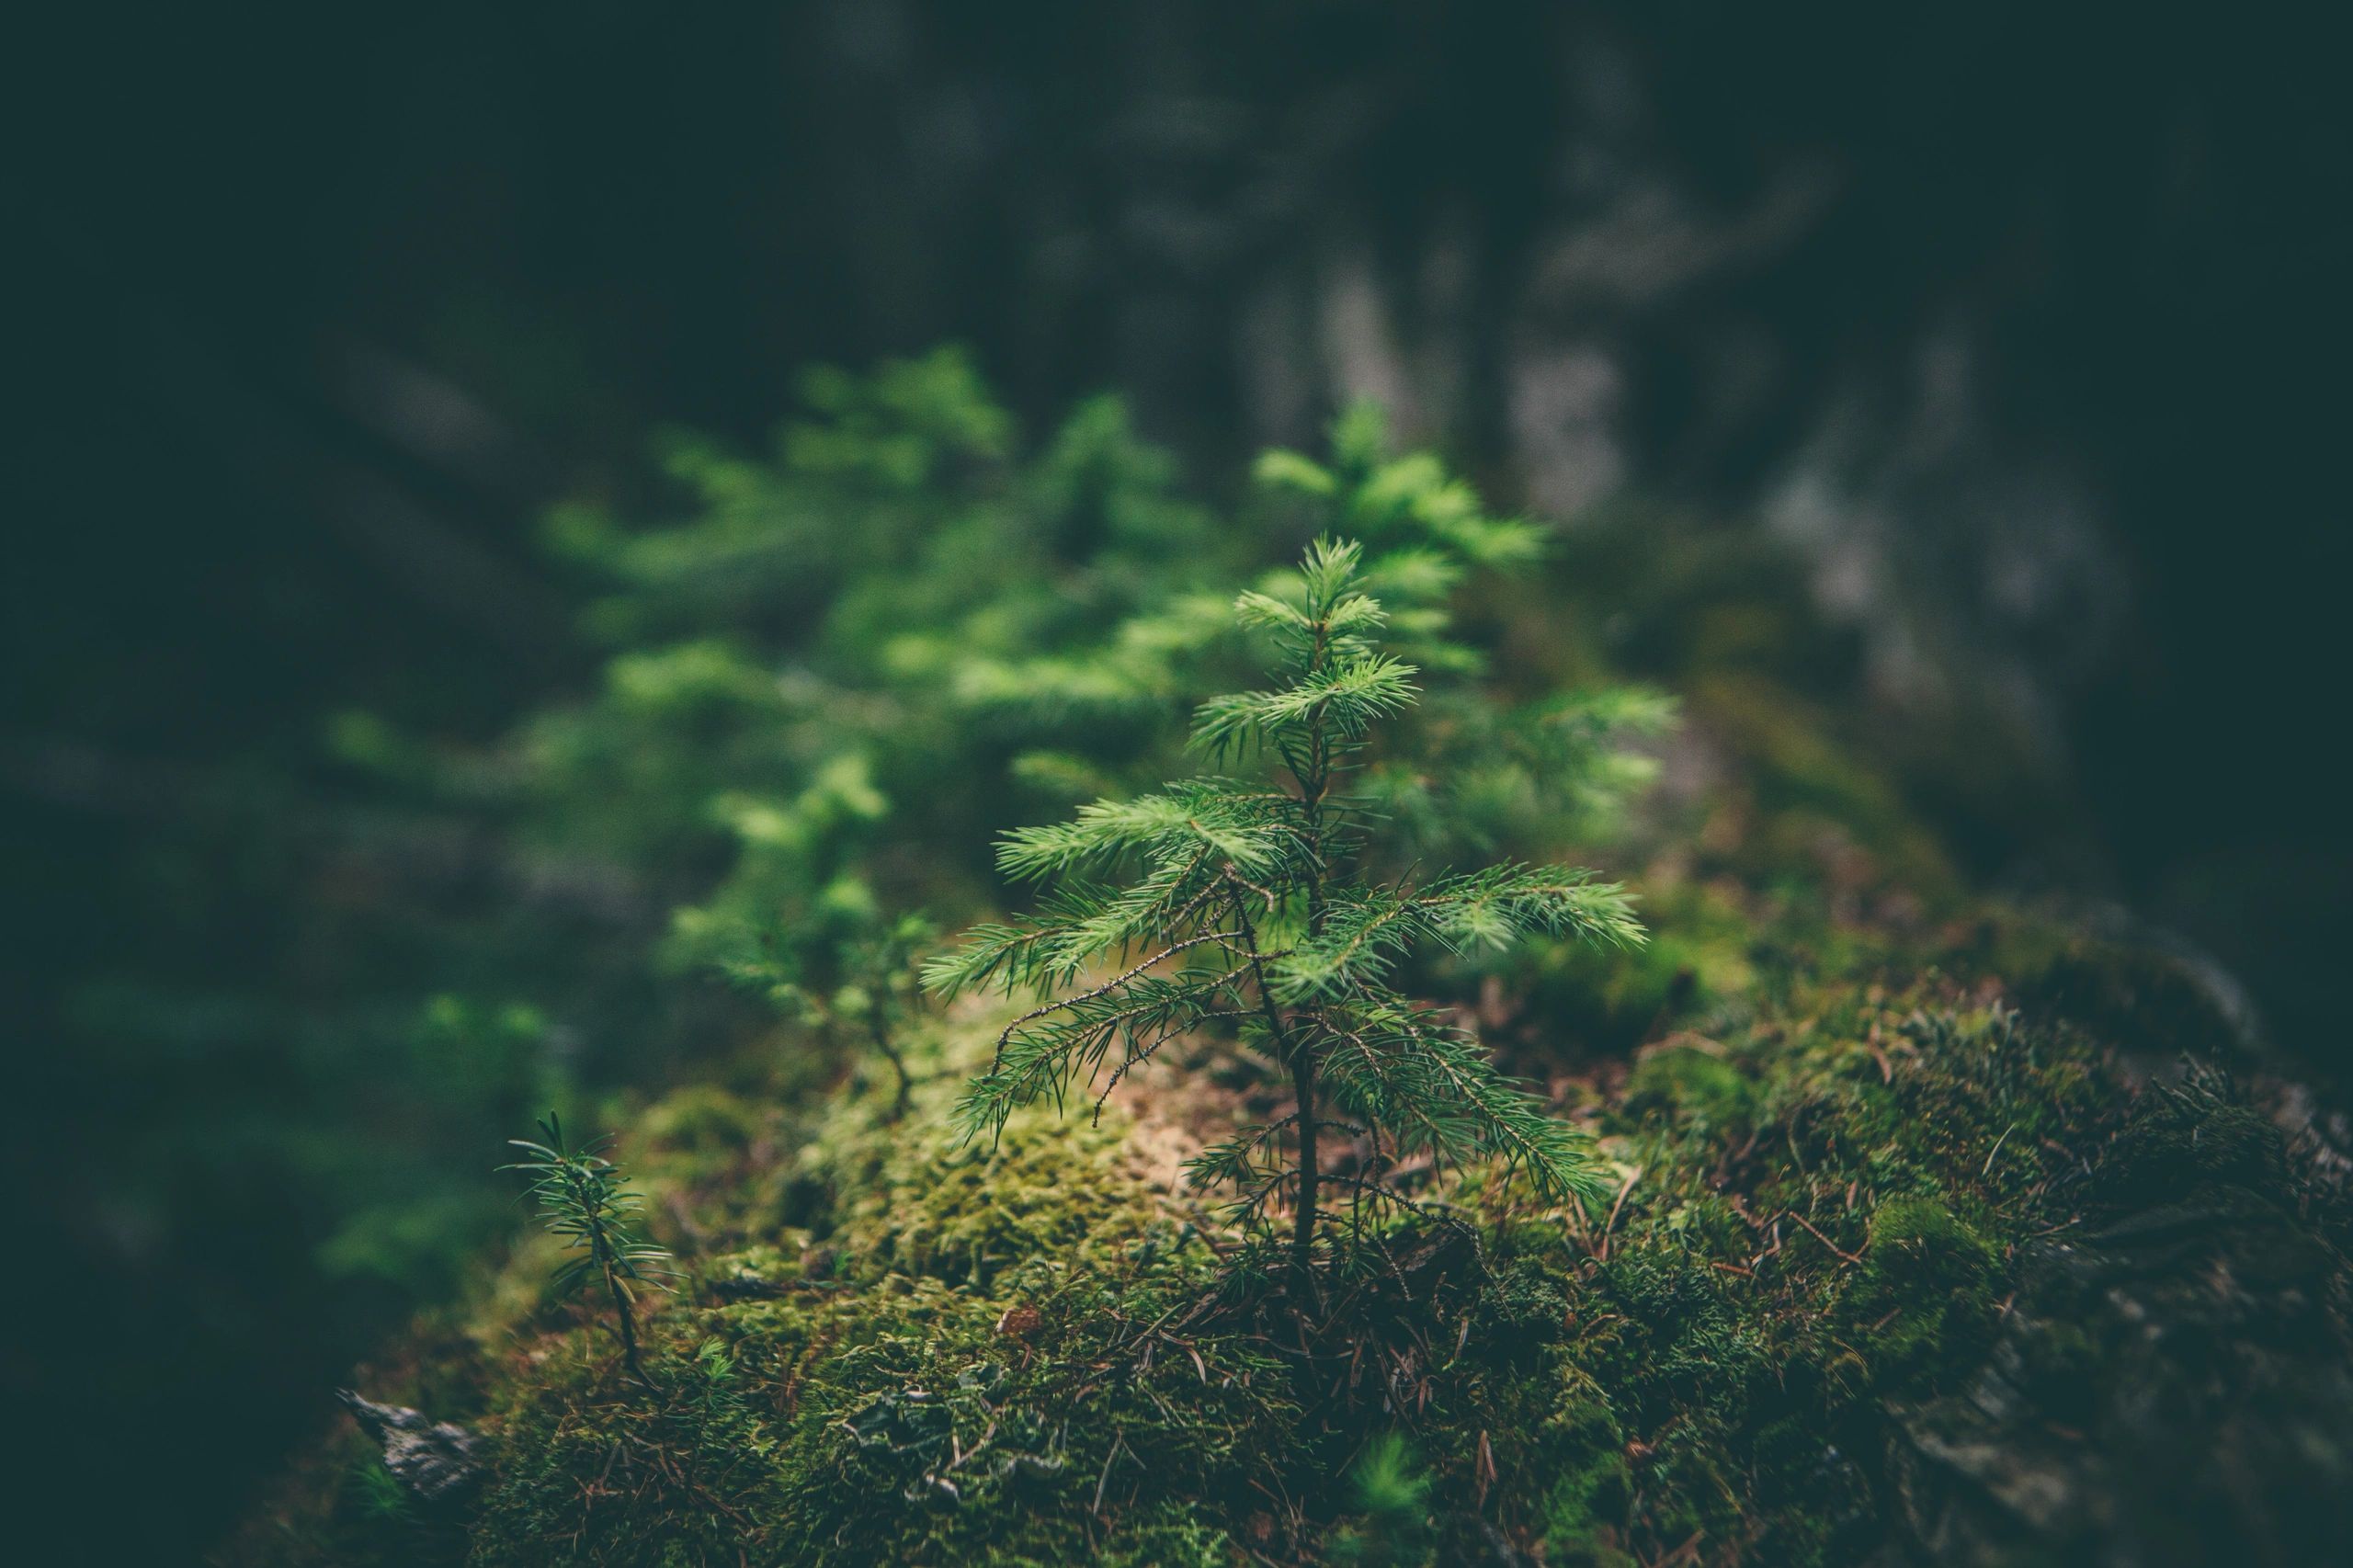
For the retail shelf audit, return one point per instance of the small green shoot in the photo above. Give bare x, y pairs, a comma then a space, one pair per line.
582, 1199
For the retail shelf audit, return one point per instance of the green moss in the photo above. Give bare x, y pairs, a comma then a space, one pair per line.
1691, 1085
937, 1436
894, 1347
594, 1470
937, 1365
702, 1121
921, 1204
1166, 1535
1924, 1300
1587, 1482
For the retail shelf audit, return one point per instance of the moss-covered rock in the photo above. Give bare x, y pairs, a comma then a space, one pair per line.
2170, 1383
1858, 1212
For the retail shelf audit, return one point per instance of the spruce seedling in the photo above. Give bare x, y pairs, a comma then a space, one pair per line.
1247, 906
582, 1199
852, 975
881, 992
1394, 1494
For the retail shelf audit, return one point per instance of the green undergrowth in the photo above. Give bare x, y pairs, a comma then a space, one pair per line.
892, 1348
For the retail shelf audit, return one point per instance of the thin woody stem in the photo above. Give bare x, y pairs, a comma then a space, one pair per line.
601, 1249
1302, 1079
890, 1049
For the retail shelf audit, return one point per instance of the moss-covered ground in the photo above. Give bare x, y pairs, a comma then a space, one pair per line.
1917, 1228
892, 1348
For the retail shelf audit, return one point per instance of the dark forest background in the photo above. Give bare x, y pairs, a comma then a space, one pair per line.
2017, 328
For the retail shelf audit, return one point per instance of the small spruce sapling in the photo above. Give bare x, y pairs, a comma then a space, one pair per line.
880, 989
1392, 1493
854, 976
582, 1199
1248, 904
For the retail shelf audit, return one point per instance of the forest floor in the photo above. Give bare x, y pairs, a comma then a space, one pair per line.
1940, 1232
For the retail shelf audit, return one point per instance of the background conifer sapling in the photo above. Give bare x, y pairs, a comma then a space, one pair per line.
851, 973
1246, 904
881, 990
582, 1199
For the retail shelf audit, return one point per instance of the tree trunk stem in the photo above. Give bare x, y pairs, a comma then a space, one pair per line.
1302, 1240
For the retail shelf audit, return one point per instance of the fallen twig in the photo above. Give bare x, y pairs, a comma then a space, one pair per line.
1825, 1241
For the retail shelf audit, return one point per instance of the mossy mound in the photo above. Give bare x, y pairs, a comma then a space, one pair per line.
895, 1349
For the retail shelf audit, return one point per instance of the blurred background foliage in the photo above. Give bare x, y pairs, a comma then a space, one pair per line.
1956, 379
